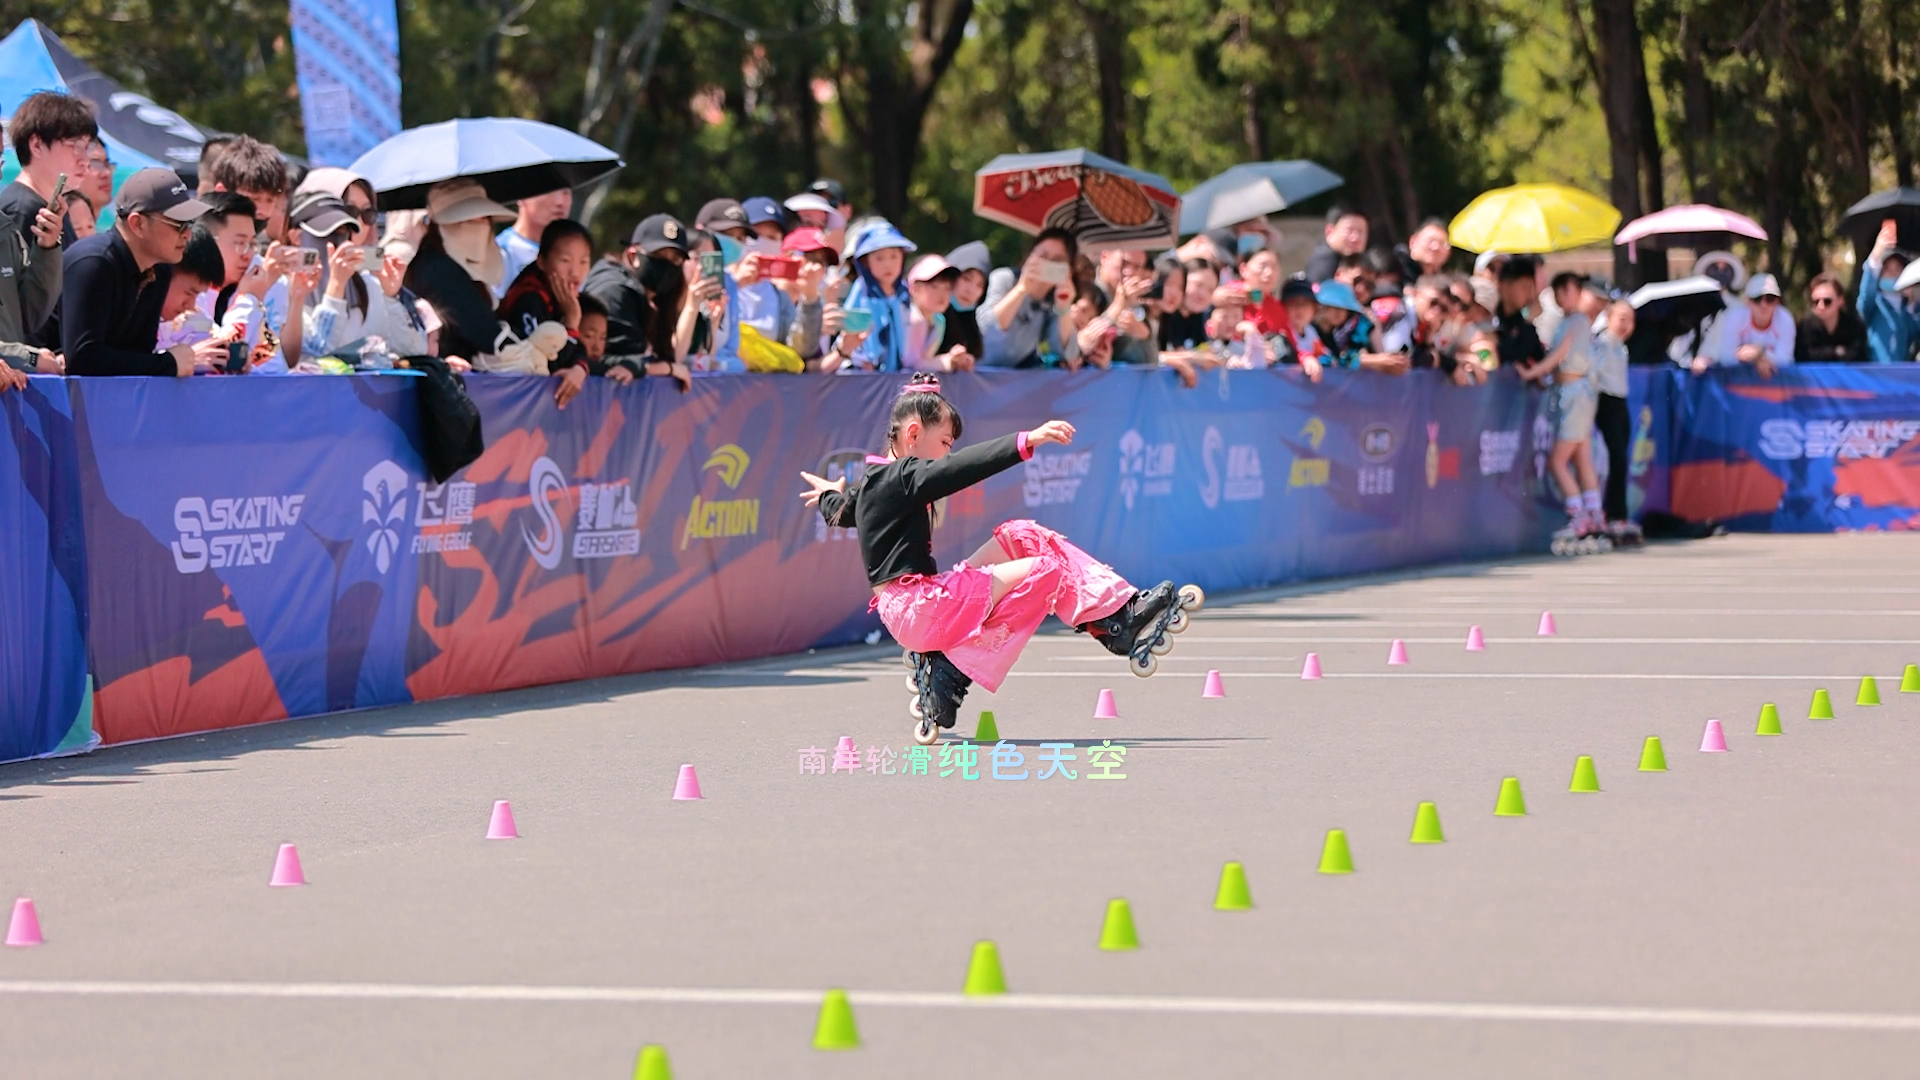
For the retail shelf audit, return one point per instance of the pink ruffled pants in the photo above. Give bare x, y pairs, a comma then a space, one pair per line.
954, 612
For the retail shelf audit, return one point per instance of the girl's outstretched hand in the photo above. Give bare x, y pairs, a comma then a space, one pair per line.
820, 487
1053, 431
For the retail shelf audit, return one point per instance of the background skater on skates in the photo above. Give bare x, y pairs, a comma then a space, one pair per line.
969, 623
1570, 409
1610, 415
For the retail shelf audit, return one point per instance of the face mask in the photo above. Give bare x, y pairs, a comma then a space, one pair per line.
1886, 284
657, 274
470, 243
730, 250
1250, 243
958, 306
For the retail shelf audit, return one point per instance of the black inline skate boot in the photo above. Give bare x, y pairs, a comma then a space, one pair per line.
939, 689
1119, 631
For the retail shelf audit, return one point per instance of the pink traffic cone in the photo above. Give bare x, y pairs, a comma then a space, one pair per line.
846, 742
1476, 642
1311, 669
24, 930
1715, 740
1397, 654
688, 786
286, 868
1104, 709
1546, 624
1213, 687
502, 827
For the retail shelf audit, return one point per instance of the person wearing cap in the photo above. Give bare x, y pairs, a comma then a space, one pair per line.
812, 322
1891, 314
116, 283
1344, 329
458, 265
356, 301
879, 258
762, 302
835, 193
724, 217
1753, 333
766, 218
520, 242
975, 263
648, 294
816, 212
930, 289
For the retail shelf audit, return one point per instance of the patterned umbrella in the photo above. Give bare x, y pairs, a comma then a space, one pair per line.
1103, 203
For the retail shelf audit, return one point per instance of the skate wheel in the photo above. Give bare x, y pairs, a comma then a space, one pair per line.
925, 733
913, 708
906, 657
1146, 665
1178, 624
1162, 647
1558, 547
1192, 598
913, 685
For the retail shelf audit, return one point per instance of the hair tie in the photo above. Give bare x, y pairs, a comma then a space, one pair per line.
921, 384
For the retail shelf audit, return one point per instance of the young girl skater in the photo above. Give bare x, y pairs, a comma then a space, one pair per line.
970, 623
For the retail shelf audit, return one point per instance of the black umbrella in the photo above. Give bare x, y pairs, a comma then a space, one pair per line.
1902, 204
1666, 310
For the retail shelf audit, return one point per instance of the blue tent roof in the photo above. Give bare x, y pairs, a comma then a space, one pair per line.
138, 133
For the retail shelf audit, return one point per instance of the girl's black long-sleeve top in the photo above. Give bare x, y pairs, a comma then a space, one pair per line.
891, 505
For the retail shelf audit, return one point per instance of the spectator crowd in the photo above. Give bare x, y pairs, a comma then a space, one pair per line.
264, 269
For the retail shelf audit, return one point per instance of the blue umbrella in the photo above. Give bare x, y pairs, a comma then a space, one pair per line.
511, 158
1245, 192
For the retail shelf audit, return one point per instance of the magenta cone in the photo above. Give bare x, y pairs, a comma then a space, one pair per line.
1715, 740
1311, 669
846, 742
1104, 709
1213, 687
286, 868
502, 827
1397, 654
1475, 641
24, 930
688, 786
1546, 624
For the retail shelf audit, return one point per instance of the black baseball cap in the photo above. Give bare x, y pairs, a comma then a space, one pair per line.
831, 190
660, 232
159, 191
720, 214
320, 214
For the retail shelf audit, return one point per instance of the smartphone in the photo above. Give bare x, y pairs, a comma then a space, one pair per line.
781, 269
712, 264
1052, 272
59, 190
859, 321
309, 258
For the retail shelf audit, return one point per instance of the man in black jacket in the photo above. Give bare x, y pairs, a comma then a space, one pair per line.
649, 273
116, 284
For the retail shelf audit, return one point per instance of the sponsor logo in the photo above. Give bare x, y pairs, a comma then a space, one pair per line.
1146, 469
385, 506
1054, 479
1498, 451
544, 481
242, 531
1376, 442
606, 523
720, 519
1376, 479
1441, 464
439, 512
1243, 481
1790, 440
1542, 444
847, 463
1311, 471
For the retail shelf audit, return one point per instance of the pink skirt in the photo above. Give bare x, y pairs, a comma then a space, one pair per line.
954, 613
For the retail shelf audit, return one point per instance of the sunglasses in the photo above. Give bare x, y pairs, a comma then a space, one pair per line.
1766, 299
179, 227
1824, 301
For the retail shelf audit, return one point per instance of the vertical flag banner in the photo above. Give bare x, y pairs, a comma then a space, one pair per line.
347, 55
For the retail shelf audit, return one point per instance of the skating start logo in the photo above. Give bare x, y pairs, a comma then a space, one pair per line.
720, 519
1146, 469
243, 531
848, 463
1498, 451
1791, 440
385, 507
1310, 471
1243, 481
544, 481
1054, 479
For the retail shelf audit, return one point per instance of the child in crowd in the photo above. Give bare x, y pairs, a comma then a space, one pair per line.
593, 337
879, 260
1611, 416
1570, 408
540, 314
1235, 339
929, 289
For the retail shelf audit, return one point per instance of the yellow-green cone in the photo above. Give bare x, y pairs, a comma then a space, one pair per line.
1910, 680
1869, 692
983, 971
1822, 706
1233, 894
1585, 777
1116, 933
652, 1064
835, 1029
1652, 757
1334, 856
1426, 825
988, 731
1512, 803
1769, 720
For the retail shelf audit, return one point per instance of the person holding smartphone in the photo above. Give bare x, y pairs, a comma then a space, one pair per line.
1024, 319
1893, 320
879, 291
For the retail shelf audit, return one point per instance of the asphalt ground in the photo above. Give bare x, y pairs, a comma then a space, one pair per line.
1751, 913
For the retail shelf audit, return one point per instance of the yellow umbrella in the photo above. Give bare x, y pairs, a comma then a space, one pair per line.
1533, 218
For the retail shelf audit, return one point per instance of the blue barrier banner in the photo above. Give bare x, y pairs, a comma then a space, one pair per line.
44, 704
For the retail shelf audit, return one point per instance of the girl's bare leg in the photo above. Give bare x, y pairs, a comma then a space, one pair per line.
1562, 475
1008, 575
990, 554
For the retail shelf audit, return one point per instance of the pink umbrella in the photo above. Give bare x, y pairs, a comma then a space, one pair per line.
1693, 225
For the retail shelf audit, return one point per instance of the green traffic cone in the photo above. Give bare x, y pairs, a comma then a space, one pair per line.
983, 971
1585, 778
1910, 680
1116, 933
1426, 825
1334, 856
1512, 803
1869, 692
652, 1064
1652, 757
1769, 720
1822, 706
835, 1029
988, 731
1233, 895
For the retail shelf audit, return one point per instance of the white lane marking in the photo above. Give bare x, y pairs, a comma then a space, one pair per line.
1460, 640
1325, 1007
1835, 679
